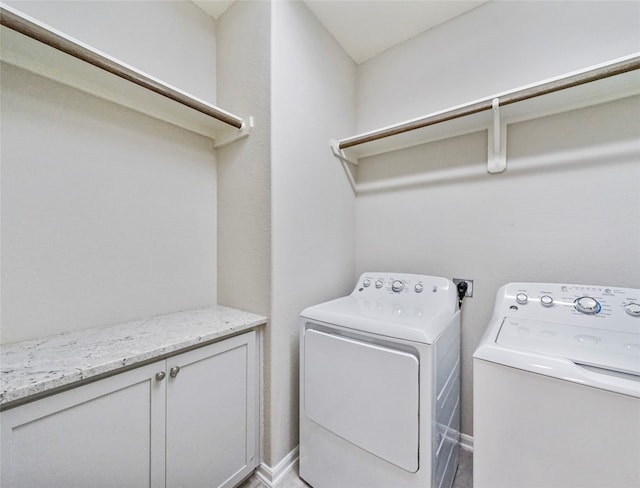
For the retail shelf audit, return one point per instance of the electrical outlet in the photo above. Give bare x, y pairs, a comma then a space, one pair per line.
469, 292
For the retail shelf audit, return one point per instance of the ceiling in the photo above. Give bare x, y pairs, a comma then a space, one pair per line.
215, 8
365, 28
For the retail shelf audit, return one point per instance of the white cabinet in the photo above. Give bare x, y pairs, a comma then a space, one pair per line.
211, 414
190, 420
107, 433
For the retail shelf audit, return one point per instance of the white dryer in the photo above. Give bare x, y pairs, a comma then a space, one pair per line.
380, 385
557, 388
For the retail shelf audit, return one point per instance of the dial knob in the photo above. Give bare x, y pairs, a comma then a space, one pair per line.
633, 309
378, 283
546, 300
366, 283
522, 298
587, 305
419, 287
397, 286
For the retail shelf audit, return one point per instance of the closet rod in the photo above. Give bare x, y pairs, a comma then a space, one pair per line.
606, 71
40, 33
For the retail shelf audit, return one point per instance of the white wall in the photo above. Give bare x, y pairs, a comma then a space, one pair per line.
244, 171
313, 97
107, 215
171, 40
566, 210
498, 46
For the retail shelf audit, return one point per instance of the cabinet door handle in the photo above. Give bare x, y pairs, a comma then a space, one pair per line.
160, 376
173, 372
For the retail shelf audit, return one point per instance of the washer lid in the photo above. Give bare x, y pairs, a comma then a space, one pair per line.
606, 349
398, 319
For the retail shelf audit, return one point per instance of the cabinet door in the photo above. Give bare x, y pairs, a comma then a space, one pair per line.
100, 434
212, 414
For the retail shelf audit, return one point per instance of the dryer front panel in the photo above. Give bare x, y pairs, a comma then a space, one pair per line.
365, 393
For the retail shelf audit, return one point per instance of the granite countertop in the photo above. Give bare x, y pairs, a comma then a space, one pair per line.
35, 366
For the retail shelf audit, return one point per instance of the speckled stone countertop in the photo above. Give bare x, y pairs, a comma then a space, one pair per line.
36, 366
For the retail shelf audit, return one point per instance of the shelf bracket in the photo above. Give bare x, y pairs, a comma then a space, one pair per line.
231, 135
497, 157
340, 154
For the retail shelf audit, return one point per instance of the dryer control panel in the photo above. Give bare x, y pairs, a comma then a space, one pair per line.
378, 284
572, 304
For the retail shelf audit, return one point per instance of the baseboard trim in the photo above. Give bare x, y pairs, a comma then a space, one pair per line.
273, 476
466, 442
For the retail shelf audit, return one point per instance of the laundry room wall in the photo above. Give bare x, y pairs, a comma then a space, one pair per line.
497, 46
244, 167
313, 99
567, 208
174, 41
107, 214
244, 175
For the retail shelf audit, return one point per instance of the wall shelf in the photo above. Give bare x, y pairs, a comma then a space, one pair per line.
41, 49
609, 81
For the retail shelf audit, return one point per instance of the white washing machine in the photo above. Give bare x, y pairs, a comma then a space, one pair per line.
557, 388
380, 385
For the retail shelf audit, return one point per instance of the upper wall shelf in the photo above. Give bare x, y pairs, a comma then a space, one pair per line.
37, 47
597, 84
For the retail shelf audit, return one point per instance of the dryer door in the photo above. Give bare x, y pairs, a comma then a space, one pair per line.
364, 393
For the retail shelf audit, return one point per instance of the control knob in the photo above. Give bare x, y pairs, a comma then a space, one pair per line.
522, 298
587, 305
419, 287
366, 283
397, 286
633, 309
378, 283
546, 300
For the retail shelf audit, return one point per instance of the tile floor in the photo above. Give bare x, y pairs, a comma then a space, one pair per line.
464, 476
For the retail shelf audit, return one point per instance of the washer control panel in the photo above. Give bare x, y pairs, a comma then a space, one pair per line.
570, 303
404, 284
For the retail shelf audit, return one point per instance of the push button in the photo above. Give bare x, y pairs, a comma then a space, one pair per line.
546, 300
397, 286
633, 309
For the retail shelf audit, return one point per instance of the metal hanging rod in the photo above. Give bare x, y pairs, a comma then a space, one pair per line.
507, 98
35, 30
